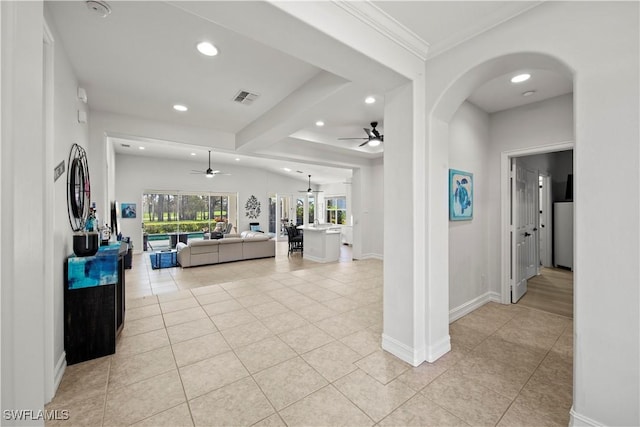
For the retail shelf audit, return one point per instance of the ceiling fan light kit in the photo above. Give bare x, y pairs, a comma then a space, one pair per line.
209, 173
374, 138
309, 190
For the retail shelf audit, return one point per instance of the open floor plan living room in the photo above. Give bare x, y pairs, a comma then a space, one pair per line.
326, 212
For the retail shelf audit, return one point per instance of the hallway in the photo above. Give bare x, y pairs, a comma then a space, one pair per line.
550, 291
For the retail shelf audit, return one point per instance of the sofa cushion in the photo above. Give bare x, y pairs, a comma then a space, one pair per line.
203, 246
229, 240
230, 249
261, 238
258, 248
254, 235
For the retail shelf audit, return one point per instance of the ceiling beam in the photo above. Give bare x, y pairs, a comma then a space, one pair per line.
286, 117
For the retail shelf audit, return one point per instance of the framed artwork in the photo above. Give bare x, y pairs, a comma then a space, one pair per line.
460, 195
128, 210
252, 207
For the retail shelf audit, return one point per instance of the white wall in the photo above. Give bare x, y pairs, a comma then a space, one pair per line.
67, 131
372, 216
468, 255
599, 43
23, 172
102, 125
136, 174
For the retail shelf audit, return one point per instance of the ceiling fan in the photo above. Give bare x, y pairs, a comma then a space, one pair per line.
209, 173
309, 190
373, 136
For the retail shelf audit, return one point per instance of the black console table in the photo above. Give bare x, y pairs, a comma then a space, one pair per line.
94, 303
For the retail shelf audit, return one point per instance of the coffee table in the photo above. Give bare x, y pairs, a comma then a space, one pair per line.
165, 259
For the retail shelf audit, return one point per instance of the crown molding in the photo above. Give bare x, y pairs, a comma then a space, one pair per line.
380, 21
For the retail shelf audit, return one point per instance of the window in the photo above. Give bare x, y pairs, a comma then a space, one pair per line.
312, 209
299, 211
186, 212
337, 210
219, 208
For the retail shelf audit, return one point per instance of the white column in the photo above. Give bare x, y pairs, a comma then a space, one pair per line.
23, 173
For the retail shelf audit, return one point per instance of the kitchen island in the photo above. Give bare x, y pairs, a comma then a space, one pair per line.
321, 242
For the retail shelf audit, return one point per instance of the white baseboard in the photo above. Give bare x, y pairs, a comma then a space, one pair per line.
61, 366
370, 256
415, 357
469, 306
579, 420
438, 350
403, 351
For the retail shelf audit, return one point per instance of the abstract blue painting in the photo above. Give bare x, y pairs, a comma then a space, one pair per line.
128, 210
460, 195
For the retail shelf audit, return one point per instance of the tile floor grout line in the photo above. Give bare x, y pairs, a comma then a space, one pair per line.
384, 385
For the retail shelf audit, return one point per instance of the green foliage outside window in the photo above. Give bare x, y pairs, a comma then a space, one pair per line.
336, 212
167, 213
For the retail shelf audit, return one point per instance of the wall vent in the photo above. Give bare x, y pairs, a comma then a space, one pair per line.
125, 145
245, 97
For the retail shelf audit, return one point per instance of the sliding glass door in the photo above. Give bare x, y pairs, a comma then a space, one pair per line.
193, 213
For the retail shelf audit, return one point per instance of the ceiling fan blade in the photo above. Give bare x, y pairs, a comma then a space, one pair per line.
351, 138
364, 143
368, 132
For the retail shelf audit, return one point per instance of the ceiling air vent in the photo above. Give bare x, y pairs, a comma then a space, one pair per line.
245, 97
125, 145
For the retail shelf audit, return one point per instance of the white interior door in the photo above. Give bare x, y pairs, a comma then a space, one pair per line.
524, 226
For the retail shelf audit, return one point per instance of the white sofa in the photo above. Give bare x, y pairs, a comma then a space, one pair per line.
233, 247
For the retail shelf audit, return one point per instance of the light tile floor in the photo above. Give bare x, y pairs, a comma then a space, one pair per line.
285, 341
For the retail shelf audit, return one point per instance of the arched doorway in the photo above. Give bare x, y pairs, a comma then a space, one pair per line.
491, 272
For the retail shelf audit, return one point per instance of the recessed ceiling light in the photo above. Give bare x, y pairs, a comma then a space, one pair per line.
319, 123
179, 107
193, 154
207, 49
141, 148
528, 93
286, 169
520, 78
370, 100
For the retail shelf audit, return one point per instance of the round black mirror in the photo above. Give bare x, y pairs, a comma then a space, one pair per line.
78, 188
